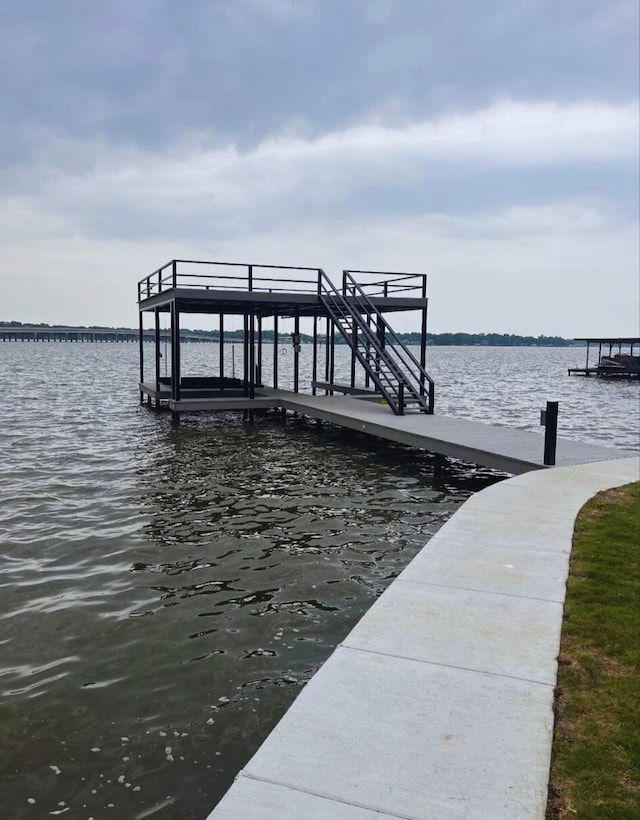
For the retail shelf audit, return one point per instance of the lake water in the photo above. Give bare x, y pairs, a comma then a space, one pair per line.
166, 591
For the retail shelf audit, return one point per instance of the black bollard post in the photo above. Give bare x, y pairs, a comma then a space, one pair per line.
550, 433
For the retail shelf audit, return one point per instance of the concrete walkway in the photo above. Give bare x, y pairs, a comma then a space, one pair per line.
438, 704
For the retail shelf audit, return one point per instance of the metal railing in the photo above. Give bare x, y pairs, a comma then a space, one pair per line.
207, 275
394, 370
392, 283
357, 334
181, 273
418, 382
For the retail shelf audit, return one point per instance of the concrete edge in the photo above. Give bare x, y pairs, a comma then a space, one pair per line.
328, 774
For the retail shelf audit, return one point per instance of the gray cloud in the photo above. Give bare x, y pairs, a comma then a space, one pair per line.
145, 73
454, 164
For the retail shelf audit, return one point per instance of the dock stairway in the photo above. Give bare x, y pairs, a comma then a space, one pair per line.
398, 375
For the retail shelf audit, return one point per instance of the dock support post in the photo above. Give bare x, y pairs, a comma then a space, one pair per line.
423, 338
245, 356
367, 378
314, 369
157, 343
550, 433
332, 361
252, 356
141, 349
221, 350
354, 347
276, 351
296, 352
326, 354
259, 365
175, 351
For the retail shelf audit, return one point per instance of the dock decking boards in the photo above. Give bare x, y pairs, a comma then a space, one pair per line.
501, 448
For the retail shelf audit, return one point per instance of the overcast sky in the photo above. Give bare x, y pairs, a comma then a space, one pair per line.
492, 144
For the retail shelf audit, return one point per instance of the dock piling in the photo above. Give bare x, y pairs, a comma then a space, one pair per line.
549, 418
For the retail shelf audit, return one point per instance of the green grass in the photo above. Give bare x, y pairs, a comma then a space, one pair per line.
595, 767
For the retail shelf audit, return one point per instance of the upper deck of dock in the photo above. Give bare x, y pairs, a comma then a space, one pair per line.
271, 290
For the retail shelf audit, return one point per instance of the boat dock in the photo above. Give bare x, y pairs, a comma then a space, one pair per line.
389, 393
622, 364
354, 311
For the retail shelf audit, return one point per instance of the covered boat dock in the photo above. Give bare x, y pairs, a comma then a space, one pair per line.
353, 313
616, 359
388, 394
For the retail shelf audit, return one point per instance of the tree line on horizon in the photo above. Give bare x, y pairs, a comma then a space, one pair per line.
455, 339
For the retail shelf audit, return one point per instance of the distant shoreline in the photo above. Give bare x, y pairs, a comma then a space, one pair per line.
433, 339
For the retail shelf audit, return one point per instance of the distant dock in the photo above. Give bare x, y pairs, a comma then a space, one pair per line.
610, 364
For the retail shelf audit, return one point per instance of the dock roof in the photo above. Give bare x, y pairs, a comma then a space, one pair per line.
616, 340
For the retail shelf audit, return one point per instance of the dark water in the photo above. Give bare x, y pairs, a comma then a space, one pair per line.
165, 592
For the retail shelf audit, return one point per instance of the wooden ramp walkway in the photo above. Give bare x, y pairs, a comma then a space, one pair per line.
502, 448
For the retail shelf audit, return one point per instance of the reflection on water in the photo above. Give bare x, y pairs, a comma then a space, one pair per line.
165, 592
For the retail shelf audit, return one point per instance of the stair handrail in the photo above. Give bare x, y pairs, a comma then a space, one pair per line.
365, 330
334, 294
362, 297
